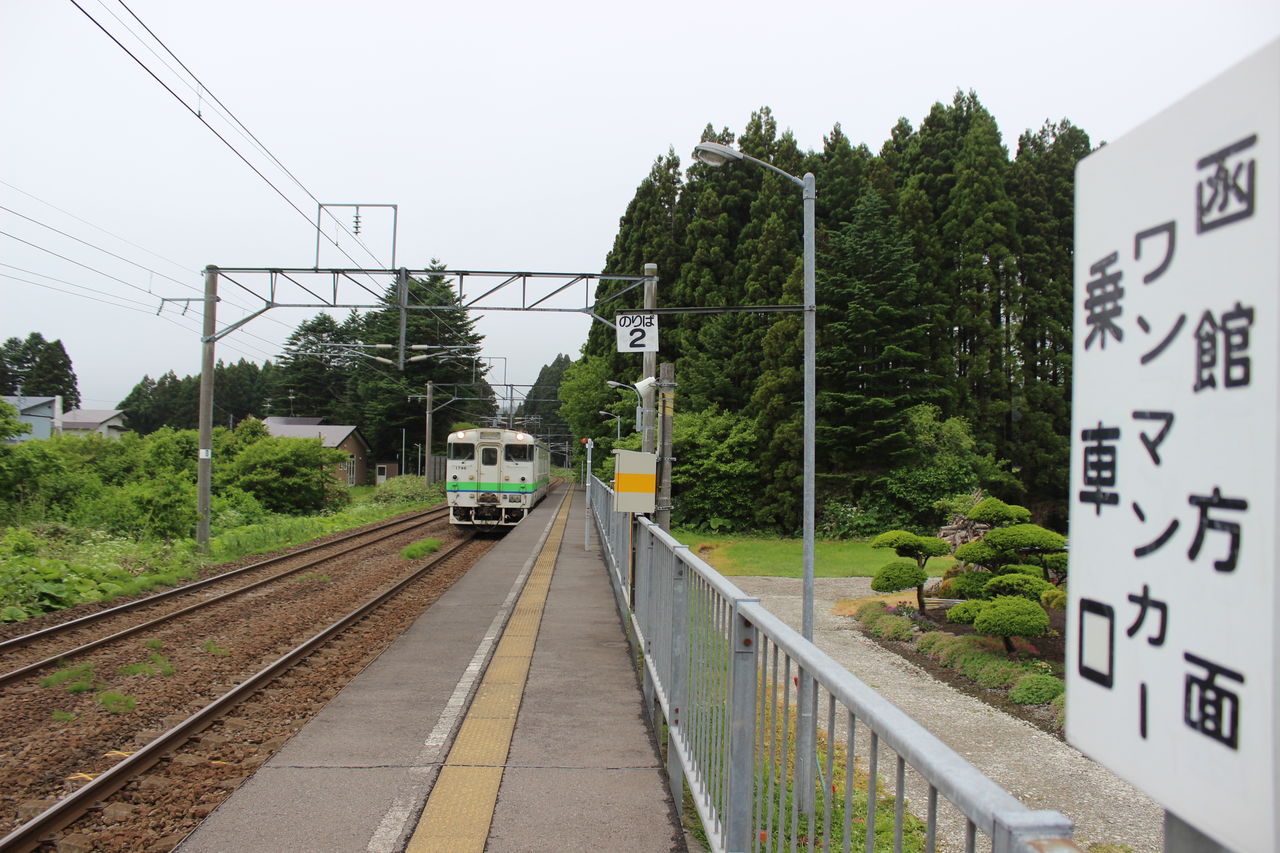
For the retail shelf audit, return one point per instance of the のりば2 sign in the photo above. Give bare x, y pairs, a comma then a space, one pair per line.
1172, 650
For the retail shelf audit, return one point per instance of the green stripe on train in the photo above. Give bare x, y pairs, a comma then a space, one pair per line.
502, 488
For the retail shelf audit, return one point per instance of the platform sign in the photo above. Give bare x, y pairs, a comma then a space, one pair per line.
1172, 643
635, 481
637, 332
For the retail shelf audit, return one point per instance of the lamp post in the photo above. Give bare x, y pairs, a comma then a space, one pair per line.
716, 154
617, 422
644, 420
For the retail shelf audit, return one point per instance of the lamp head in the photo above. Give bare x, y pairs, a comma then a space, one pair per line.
715, 154
645, 384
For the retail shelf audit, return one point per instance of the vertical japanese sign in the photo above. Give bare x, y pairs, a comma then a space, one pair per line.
1172, 652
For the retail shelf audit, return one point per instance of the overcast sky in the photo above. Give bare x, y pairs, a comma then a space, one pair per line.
510, 134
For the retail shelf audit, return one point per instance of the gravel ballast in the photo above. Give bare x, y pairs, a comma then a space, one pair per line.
1039, 769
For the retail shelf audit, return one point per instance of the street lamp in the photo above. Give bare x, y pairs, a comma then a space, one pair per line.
715, 154
617, 422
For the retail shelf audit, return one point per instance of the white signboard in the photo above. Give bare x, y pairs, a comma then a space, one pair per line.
637, 332
1172, 652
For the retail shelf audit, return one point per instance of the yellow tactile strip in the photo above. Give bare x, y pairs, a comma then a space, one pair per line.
460, 807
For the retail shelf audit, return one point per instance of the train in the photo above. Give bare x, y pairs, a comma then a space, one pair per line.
494, 477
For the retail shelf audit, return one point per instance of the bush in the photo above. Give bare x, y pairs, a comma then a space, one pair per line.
966, 611
997, 513
892, 627
900, 574
1012, 616
999, 672
1054, 598
1016, 584
1022, 569
1036, 689
969, 584
972, 665
926, 643
288, 475
408, 489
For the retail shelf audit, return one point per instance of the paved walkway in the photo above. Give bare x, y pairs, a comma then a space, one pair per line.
581, 771
1037, 768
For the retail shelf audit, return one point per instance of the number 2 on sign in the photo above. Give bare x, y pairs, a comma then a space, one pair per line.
637, 333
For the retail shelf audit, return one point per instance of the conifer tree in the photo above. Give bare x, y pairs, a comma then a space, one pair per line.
51, 374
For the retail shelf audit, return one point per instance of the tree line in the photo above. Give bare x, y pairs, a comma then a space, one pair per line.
35, 367
944, 286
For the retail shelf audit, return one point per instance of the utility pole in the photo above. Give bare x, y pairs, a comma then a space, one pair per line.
204, 463
666, 412
649, 364
427, 445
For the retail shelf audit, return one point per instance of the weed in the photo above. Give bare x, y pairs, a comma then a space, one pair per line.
213, 648
420, 549
161, 664
60, 716
154, 644
136, 669
74, 679
116, 703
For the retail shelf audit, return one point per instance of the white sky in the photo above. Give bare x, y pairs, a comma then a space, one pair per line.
510, 134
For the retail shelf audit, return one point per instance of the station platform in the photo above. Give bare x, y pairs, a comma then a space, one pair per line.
507, 718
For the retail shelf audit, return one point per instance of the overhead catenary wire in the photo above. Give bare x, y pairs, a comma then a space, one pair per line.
92, 245
198, 114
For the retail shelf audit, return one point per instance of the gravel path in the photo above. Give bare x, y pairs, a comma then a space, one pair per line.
1037, 768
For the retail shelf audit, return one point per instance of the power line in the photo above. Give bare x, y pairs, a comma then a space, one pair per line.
214, 131
250, 135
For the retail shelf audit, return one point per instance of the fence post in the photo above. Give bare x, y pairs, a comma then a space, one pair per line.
646, 609
742, 731
677, 690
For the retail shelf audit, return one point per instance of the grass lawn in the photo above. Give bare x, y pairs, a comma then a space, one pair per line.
746, 555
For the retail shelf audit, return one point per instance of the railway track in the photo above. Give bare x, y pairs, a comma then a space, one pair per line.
27, 654
64, 753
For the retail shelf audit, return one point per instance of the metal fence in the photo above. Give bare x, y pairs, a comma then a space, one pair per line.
727, 677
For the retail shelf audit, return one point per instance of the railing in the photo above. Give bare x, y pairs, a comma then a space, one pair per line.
725, 675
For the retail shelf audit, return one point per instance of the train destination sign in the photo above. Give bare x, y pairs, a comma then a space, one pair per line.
637, 332
1172, 652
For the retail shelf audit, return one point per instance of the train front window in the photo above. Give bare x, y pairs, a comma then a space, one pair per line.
517, 452
462, 451
488, 456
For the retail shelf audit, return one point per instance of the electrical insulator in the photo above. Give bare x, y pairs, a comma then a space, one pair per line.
357, 228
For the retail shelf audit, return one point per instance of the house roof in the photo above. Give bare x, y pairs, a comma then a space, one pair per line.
329, 435
27, 403
88, 418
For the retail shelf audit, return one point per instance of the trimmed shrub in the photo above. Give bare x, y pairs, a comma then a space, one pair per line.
997, 513
892, 627
926, 643
901, 574
1016, 584
969, 584
1055, 567
1022, 569
1054, 598
1036, 689
999, 672
966, 611
974, 664
1012, 616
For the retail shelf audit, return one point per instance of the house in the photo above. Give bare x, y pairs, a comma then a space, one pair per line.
105, 422
42, 414
346, 438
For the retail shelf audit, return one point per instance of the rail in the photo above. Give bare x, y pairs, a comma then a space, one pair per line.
725, 676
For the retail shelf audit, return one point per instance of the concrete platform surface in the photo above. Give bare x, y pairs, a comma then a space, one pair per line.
582, 772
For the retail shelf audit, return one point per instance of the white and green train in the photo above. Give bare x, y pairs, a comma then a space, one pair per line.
494, 477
